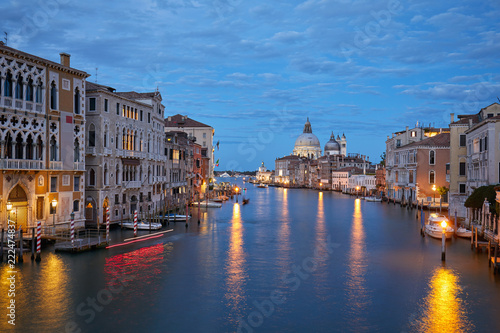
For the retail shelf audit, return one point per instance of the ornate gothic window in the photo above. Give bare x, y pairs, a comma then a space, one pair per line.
8, 85
53, 96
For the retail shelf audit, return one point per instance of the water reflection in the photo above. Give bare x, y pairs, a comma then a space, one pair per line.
444, 310
284, 229
235, 267
357, 294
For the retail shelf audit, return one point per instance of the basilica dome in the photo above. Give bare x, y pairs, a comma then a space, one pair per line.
307, 144
332, 147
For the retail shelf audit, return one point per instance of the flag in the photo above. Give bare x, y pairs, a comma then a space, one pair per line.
217, 145
217, 163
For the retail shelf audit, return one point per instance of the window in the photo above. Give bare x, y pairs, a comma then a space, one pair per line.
432, 177
149, 117
140, 115
105, 105
76, 183
432, 157
19, 87
117, 199
77, 101
38, 92
461, 169
29, 90
76, 205
489, 115
91, 177
413, 134
53, 96
8, 85
462, 140
76, 151
461, 188
53, 184
124, 198
65, 180
480, 145
204, 135
398, 143
485, 143
92, 104
118, 109
92, 135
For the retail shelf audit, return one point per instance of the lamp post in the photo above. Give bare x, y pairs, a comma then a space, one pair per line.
357, 191
443, 241
9, 208
54, 205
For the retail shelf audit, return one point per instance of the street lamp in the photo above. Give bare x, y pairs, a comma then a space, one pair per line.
357, 191
9, 208
434, 193
443, 241
54, 205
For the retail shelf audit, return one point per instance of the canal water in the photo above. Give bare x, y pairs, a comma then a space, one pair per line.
292, 260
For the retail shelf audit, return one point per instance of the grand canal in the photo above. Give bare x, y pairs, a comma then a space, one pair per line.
290, 261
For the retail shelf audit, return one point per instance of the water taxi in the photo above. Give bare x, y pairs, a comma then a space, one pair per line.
434, 228
142, 225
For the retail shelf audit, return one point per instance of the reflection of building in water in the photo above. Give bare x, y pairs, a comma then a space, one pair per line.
443, 310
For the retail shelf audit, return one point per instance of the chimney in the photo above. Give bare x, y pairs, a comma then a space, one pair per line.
470, 122
65, 59
169, 118
452, 118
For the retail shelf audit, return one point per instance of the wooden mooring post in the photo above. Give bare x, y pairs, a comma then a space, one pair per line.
33, 244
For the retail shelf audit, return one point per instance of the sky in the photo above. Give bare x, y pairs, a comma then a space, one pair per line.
255, 70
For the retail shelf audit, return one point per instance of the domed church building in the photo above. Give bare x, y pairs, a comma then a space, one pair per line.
307, 144
336, 147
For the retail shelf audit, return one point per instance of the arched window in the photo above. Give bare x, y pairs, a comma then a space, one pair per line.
53, 96
91, 177
8, 143
29, 148
77, 151
105, 174
91, 135
38, 92
77, 101
8, 85
116, 138
29, 90
432, 177
117, 178
19, 87
432, 157
53, 149
105, 141
39, 148
19, 146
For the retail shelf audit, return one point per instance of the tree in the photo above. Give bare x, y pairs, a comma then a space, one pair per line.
476, 199
382, 159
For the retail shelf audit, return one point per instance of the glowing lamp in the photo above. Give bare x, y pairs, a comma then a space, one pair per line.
237, 189
54, 203
9, 206
443, 224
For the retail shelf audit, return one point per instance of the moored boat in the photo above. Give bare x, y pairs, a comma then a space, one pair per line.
209, 204
142, 225
373, 199
464, 232
434, 229
262, 185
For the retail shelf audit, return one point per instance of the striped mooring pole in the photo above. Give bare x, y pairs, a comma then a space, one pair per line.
72, 229
107, 224
38, 240
135, 223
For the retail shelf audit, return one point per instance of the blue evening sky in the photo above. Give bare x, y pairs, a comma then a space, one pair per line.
254, 70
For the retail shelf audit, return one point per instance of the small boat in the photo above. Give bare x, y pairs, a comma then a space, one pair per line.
464, 232
142, 225
245, 201
373, 199
177, 217
209, 204
434, 229
262, 185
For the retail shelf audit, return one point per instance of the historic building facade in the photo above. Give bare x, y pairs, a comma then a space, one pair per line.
125, 153
42, 135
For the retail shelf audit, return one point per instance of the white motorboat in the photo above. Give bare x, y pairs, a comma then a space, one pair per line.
373, 199
262, 186
434, 229
209, 204
177, 217
142, 225
464, 232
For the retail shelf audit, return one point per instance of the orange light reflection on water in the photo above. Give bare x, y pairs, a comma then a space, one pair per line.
235, 264
443, 308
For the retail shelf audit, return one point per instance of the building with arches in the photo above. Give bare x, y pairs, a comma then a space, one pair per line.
125, 153
42, 136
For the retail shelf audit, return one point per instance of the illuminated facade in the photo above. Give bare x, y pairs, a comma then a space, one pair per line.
307, 144
42, 135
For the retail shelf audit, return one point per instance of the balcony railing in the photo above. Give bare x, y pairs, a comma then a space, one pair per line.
107, 151
90, 151
22, 105
79, 166
131, 184
21, 164
55, 165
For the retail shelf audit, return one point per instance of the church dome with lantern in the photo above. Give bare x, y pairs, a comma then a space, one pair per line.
332, 147
307, 144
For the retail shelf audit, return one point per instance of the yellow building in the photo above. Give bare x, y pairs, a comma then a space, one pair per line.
42, 139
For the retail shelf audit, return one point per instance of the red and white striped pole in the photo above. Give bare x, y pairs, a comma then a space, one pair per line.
38, 240
135, 223
72, 229
107, 224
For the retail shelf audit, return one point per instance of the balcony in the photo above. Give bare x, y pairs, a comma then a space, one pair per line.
79, 166
90, 151
21, 105
107, 151
21, 164
56, 165
131, 184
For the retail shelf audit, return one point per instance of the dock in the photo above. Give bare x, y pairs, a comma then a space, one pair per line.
84, 240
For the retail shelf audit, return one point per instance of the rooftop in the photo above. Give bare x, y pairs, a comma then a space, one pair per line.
183, 121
